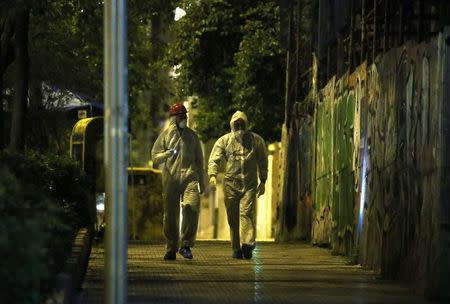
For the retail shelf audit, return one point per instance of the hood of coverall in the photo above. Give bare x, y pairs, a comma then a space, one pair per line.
238, 115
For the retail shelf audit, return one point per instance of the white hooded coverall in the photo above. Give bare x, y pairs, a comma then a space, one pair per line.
182, 179
245, 158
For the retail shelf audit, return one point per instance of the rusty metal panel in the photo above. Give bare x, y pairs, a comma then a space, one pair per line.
402, 206
344, 198
333, 219
306, 140
323, 197
381, 166
439, 272
379, 163
305, 155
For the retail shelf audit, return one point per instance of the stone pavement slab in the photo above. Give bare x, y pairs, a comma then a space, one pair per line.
278, 273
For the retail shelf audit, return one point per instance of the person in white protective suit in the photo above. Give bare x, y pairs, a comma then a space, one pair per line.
179, 152
245, 155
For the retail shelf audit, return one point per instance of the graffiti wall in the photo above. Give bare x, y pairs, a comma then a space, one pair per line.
373, 162
402, 160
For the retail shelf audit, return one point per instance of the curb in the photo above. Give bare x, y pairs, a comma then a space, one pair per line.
69, 281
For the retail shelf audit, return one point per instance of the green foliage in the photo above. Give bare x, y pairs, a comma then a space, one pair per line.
228, 55
206, 40
11, 4
258, 85
148, 38
67, 52
24, 237
39, 217
66, 45
53, 175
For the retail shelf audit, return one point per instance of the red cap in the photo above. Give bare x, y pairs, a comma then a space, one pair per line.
177, 108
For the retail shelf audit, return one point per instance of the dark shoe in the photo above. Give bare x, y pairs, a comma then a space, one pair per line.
247, 251
237, 254
186, 252
170, 256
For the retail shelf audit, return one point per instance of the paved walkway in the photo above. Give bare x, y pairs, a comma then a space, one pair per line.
279, 273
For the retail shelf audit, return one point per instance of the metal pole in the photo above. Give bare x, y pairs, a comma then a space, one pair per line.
116, 117
374, 40
351, 37
289, 67
363, 31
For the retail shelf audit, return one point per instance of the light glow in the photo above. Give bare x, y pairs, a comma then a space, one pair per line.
362, 196
179, 13
100, 202
101, 207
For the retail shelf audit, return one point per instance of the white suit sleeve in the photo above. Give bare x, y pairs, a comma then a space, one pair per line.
200, 162
217, 154
262, 159
159, 149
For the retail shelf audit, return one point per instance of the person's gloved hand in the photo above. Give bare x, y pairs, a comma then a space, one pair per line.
213, 183
261, 188
169, 153
200, 189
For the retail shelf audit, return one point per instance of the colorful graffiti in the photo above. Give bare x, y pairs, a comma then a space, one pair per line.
374, 164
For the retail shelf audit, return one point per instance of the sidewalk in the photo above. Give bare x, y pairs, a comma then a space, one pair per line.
279, 273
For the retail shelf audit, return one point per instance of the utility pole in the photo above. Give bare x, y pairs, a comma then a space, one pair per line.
116, 135
290, 67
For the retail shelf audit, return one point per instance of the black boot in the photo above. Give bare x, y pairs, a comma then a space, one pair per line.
186, 252
237, 254
247, 251
170, 255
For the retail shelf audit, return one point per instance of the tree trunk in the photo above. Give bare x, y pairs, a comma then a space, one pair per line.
21, 79
35, 90
37, 136
6, 32
2, 116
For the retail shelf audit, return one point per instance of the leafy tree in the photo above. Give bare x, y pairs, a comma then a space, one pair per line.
66, 52
228, 55
206, 40
82, 53
257, 73
66, 46
14, 22
53, 47
150, 85
38, 220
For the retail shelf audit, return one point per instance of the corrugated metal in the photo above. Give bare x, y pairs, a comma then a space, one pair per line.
323, 184
380, 173
440, 270
344, 195
333, 221
403, 176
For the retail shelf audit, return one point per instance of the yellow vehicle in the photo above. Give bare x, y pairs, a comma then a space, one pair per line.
145, 208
